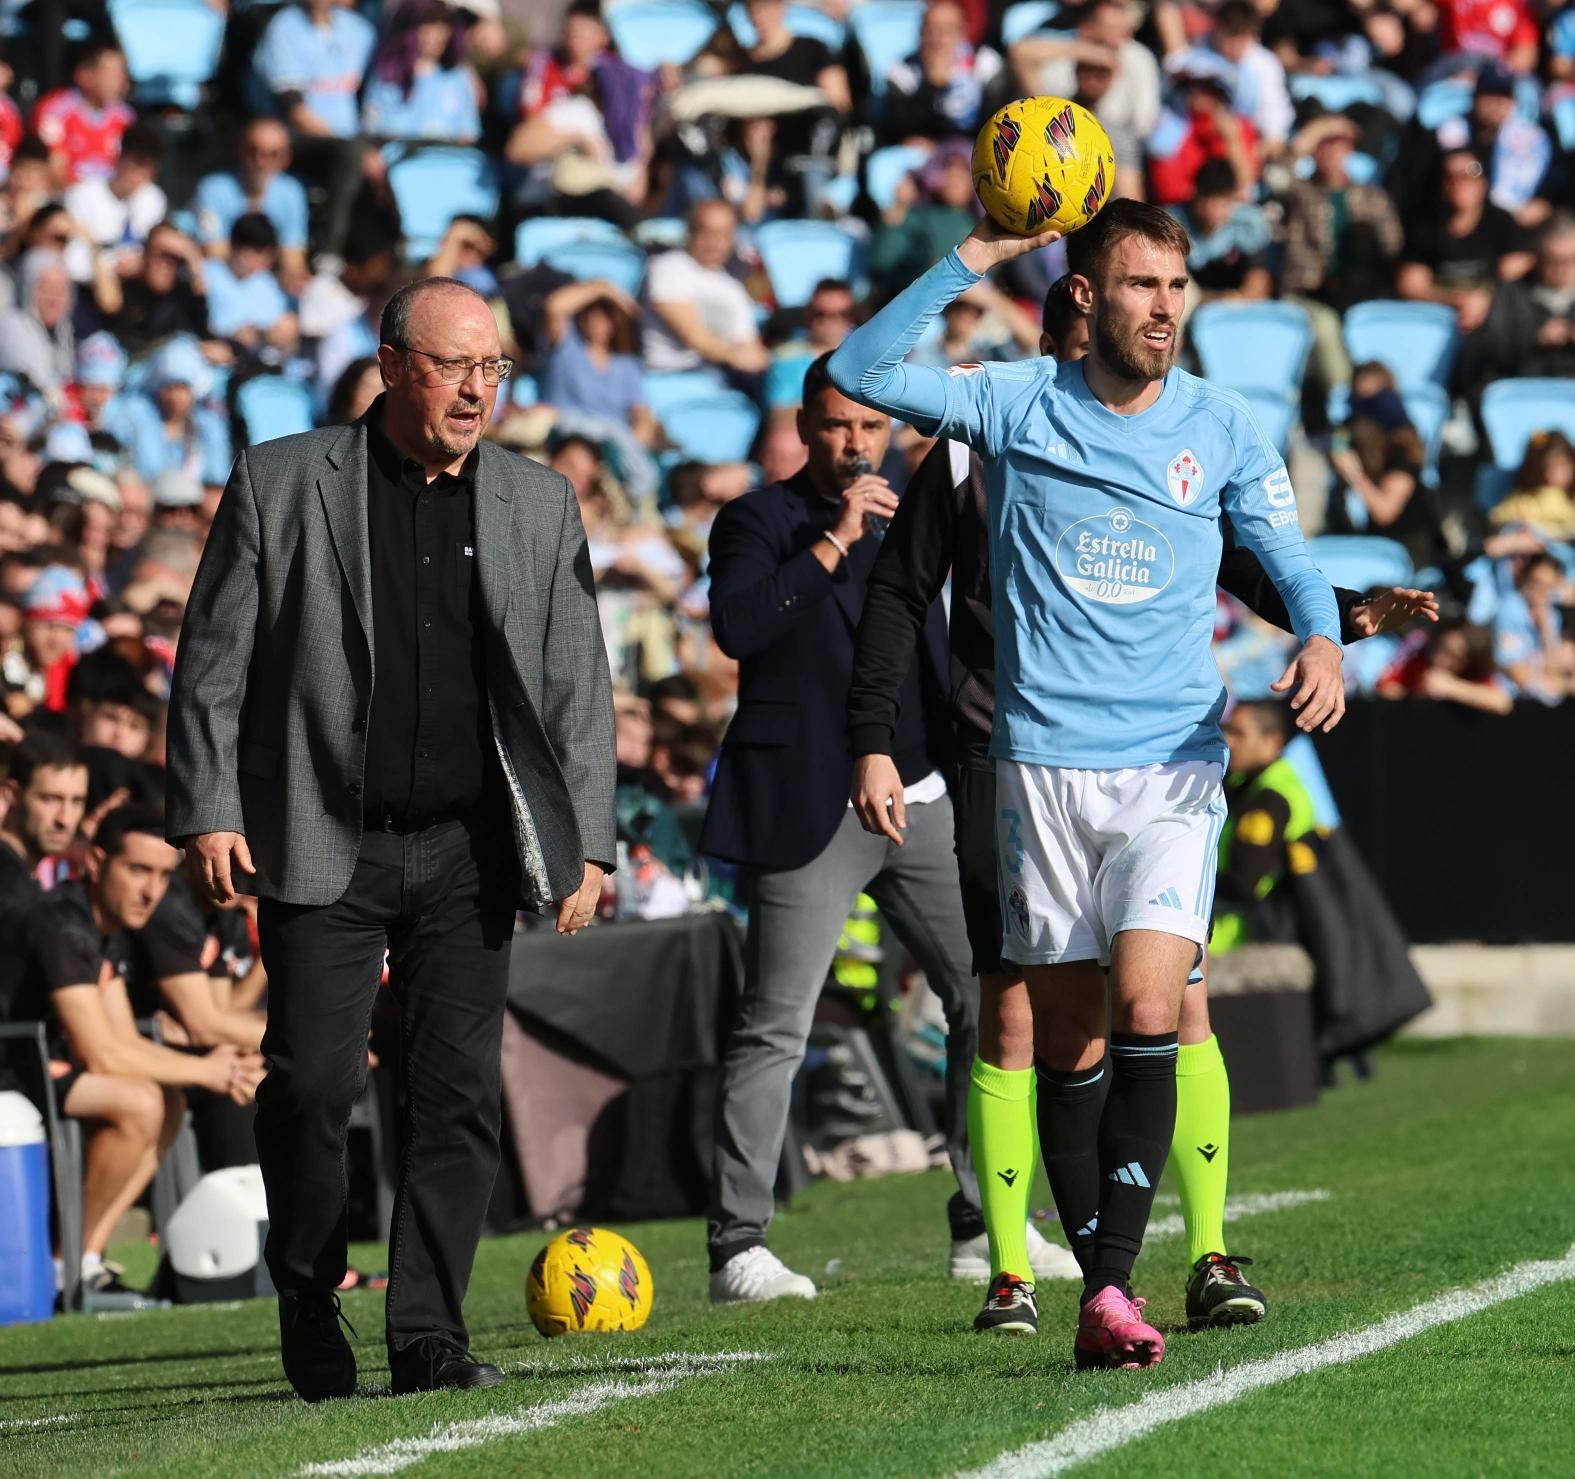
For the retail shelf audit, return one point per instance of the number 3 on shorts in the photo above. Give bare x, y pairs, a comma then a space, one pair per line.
1014, 839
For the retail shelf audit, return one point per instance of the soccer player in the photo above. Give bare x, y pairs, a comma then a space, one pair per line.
1107, 478
940, 526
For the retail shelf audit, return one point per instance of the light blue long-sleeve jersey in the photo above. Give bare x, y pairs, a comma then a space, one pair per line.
1104, 537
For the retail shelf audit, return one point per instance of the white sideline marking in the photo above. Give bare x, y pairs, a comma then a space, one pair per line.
1251, 1205
649, 1375
17, 1424
1110, 1428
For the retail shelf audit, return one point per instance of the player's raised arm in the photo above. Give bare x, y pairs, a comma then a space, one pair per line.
869, 366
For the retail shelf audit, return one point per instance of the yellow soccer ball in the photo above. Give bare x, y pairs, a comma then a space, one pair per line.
1043, 164
588, 1279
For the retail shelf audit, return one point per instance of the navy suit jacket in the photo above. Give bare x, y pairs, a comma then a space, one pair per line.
783, 776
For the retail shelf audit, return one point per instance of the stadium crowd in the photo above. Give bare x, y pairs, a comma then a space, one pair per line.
674, 209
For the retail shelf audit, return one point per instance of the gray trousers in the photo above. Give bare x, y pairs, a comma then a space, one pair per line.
795, 919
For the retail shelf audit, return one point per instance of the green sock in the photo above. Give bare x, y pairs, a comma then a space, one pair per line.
1001, 1130
1200, 1150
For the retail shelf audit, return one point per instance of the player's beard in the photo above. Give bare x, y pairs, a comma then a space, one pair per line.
1125, 354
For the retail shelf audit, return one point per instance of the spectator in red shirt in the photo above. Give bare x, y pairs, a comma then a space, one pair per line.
82, 124
1502, 29
1207, 130
10, 120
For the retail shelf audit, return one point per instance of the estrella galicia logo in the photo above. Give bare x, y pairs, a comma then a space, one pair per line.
1115, 558
1018, 904
1007, 133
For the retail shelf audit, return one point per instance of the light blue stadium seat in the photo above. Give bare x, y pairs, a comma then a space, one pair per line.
666, 390
274, 406
172, 47
432, 185
1337, 91
523, 390
802, 20
798, 254
538, 234
1440, 101
661, 233
648, 33
1417, 341
1362, 168
620, 262
1026, 17
720, 428
887, 32
1564, 123
1275, 414
1252, 346
1361, 561
884, 169
1512, 410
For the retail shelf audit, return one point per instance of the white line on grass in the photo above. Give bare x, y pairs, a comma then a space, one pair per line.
1252, 1205
655, 1374
18, 1424
1110, 1428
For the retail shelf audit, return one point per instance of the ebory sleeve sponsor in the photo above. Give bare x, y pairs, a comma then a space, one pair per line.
1115, 558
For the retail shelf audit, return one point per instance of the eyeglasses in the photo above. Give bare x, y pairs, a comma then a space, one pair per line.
456, 371
1463, 172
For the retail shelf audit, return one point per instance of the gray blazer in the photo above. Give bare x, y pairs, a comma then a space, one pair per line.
273, 678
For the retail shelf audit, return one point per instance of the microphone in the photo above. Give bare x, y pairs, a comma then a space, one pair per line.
873, 522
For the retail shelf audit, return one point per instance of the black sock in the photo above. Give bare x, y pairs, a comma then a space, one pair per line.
1134, 1142
1070, 1106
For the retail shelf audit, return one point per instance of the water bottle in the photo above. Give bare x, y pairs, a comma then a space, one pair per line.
27, 1265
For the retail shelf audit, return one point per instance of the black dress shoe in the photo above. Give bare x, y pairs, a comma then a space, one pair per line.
317, 1357
434, 1365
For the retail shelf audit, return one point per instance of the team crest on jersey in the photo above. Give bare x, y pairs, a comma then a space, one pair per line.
970, 367
1184, 477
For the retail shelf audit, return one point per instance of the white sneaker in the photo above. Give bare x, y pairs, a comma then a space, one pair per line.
970, 1261
756, 1275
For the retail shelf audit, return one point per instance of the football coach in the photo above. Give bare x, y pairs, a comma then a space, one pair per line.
392, 720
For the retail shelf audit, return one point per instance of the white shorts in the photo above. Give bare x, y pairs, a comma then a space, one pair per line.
1083, 854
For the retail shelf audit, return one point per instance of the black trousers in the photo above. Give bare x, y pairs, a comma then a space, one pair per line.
442, 903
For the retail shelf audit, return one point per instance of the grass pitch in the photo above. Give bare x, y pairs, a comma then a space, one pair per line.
1451, 1167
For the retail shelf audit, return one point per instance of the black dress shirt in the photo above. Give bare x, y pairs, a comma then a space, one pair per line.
429, 749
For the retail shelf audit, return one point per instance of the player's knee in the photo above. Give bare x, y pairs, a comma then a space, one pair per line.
139, 1108
1146, 1016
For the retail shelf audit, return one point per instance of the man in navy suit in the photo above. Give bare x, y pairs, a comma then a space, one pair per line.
790, 565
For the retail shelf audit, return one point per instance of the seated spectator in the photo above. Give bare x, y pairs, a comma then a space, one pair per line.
1530, 327
165, 297
593, 366
1094, 76
698, 492
1045, 65
1454, 662
100, 369
1323, 36
928, 216
1260, 94
1201, 128
246, 304
1542, 495
1516, 152
1341, 239
584, 106
120, 211
697, 313
421, 87
27, 189
946, 87
312, 62
1464, 246
75, 945
54, 609
354, 391
110, 704
1528, 633
340, 310
36, 338
1230, 238
1379, 457
982, 323
11, 129
828, 316
259, 182
1505, 30
464, 252
167, 428
82, 125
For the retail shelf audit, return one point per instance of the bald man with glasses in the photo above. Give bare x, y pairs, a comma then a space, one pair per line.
392, 721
